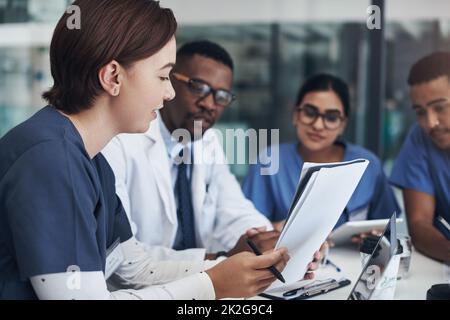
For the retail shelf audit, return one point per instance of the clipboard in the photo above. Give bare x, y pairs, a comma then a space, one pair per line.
329, 277
314, 289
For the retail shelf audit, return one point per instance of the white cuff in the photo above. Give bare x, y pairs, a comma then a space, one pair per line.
208, 264
194, 287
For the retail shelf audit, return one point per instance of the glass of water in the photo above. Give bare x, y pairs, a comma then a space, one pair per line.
405, 257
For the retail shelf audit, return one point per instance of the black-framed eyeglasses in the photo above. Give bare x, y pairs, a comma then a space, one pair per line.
308, 114
202, 89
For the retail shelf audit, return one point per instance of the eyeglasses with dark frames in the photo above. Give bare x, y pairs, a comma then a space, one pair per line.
201, 89
308, 115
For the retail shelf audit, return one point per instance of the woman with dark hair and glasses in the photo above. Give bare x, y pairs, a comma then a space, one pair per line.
320, 116
63, 230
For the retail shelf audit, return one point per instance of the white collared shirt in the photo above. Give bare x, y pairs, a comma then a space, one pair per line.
173, 149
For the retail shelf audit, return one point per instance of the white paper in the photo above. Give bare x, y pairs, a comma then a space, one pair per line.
315, 215
298, 205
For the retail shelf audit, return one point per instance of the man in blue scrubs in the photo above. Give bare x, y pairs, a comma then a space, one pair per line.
422, 169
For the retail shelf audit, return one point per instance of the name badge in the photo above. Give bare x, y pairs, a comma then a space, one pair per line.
114, 258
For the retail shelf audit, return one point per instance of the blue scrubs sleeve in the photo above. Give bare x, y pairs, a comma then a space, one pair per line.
411, 170
384, 203
118, 224
51, 207
256, 188
122, 228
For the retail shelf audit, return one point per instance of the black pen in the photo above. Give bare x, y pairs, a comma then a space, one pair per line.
272, 269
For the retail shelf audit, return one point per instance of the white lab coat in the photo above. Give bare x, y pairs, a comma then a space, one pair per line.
143, 183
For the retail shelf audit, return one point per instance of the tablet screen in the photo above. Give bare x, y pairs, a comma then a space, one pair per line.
377, 263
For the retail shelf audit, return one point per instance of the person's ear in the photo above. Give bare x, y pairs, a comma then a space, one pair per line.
110, 77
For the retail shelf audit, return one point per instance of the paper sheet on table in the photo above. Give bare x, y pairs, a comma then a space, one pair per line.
315, 213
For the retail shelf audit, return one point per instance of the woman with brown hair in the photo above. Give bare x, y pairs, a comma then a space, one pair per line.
63, 231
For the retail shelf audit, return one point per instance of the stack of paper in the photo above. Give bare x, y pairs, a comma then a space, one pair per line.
322, 195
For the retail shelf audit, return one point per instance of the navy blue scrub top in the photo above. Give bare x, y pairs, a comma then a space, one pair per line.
423, 167
272, 194
58, 207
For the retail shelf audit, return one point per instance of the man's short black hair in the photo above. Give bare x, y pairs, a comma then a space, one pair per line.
207, 49
429, 68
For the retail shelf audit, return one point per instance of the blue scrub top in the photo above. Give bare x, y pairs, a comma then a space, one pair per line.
423, 167
58, 208
272, 194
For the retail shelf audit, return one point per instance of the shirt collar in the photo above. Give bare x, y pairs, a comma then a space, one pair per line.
173, 146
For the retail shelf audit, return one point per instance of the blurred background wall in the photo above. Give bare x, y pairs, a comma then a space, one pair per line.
276, 44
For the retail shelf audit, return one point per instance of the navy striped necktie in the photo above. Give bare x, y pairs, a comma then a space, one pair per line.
185, 211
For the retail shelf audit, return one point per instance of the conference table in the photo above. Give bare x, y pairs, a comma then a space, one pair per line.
423, 273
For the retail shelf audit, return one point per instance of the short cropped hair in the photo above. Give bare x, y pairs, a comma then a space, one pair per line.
207, 49
429, 68
121, 30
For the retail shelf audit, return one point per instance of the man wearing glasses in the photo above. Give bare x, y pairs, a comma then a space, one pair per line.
180, 196
422, 169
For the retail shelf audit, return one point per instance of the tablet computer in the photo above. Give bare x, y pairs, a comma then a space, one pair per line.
377, 263
344, 233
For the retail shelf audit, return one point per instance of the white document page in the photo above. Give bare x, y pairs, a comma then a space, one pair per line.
316, 214
299, 204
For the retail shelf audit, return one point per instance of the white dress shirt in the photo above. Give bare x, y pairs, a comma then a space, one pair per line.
173, 150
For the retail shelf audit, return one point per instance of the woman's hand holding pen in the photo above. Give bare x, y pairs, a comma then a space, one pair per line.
245, 274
